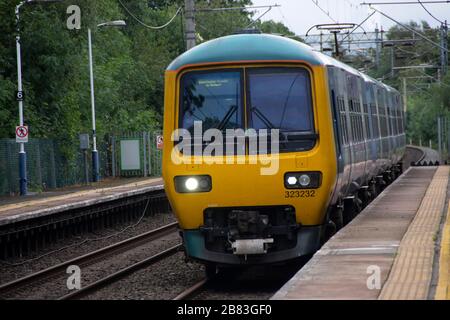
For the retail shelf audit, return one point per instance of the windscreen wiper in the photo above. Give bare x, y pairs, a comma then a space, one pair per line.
226, 118
266, 121
263, 118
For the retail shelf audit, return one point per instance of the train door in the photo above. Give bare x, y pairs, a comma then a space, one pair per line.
338, 131
345, 95
344, 127
370, 145
364, 127
382, 125
375, 125
389, 125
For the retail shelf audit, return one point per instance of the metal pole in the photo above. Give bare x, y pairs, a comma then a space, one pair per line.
321, 41
410, 29
392, 62
189, 8
439, 137
22, 154
444, 48
95, 160
336, 44
405, 98
377, 49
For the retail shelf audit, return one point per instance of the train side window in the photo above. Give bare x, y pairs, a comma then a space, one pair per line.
366, 119
376, 129
382, 112
343, 119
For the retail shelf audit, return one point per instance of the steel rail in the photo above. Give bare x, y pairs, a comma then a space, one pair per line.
193, 290
97, 285
90, 257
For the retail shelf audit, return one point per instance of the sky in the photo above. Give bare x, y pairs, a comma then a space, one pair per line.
300, 15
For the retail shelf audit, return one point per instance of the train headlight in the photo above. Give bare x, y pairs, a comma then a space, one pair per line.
192, 184
292, 181
302, 180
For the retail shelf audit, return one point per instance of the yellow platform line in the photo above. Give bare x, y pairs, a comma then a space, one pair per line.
77, 194
410, 275
443, 288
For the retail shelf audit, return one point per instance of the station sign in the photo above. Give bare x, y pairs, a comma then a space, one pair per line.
22, 134
20, 96
84, 141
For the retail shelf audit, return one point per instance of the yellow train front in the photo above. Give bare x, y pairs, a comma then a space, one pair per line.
250, 163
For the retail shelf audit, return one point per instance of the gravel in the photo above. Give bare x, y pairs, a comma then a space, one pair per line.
11, 271
161, 281
252, 283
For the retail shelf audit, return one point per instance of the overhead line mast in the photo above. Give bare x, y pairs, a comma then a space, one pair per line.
190, 11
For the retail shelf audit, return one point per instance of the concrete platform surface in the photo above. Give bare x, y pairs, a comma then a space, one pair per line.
22, 208
390, 238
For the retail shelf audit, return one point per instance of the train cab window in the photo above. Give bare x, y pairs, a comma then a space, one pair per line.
283, 96
213, 98
280, 98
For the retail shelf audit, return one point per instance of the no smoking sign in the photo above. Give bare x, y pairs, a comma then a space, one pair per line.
22, 134
159, 142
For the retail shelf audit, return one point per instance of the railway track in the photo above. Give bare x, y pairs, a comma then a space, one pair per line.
96, 256
193, 291
99, 284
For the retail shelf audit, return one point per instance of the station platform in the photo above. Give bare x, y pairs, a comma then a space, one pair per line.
17, 209
397, 248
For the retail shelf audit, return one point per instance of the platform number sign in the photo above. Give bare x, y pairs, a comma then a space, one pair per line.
22, 134
19, 95
159, 142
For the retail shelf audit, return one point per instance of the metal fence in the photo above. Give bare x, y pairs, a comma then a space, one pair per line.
52, 164
150, 158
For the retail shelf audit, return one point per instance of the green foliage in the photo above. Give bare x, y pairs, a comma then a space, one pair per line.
211, 25
277, 28
423, 109
129, 63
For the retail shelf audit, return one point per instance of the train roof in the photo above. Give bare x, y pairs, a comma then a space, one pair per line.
246, 47
260, 47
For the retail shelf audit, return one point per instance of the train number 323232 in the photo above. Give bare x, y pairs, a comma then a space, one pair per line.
300, 194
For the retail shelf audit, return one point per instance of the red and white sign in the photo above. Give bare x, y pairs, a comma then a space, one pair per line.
22, 134
159, 142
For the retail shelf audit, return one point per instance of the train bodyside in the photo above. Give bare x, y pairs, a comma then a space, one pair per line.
369, 126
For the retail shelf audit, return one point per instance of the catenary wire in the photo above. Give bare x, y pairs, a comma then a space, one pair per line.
146, 25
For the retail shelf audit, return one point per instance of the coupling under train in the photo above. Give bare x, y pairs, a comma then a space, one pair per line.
328, 139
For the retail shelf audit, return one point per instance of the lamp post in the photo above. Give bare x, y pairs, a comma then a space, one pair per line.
20, 97
95, 158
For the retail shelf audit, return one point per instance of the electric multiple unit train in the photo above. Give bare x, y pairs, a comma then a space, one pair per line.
328, 139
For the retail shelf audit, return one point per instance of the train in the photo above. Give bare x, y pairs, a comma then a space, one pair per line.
271, 147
